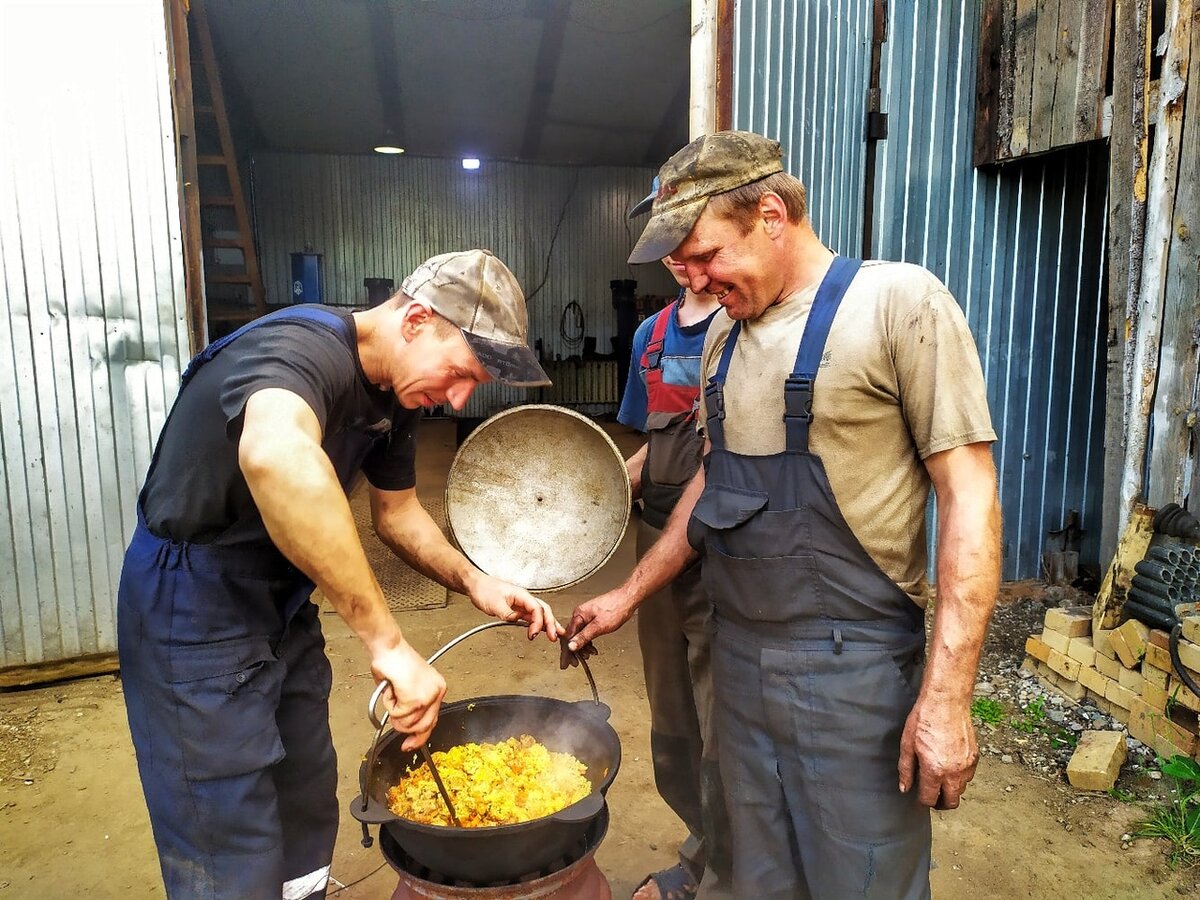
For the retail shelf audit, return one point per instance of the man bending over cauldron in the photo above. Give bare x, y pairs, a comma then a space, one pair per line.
243, 512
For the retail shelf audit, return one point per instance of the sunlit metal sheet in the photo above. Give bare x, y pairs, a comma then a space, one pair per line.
93, 298
1022, 247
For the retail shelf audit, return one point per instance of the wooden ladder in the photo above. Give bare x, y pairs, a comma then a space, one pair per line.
232, 281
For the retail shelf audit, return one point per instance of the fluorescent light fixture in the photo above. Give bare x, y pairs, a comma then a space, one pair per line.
470, 162
384, 148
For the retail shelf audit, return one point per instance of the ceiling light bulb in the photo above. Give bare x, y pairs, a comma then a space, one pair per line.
470, 162
384, 148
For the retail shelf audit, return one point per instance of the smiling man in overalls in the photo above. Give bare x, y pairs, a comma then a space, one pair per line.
243, 512
837, 394
673, 625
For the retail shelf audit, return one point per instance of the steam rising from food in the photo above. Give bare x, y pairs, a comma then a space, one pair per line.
513, 781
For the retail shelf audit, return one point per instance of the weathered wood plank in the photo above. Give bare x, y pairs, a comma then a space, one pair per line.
1170, 466
1135, 539
57, 670
1160, 212
1024, 41
1095, 33
1045, 67
1126, 225
987, 80
1066, 74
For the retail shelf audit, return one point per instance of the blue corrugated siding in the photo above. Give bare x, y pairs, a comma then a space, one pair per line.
1022, 248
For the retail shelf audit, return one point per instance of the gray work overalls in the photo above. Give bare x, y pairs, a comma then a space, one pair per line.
817, 659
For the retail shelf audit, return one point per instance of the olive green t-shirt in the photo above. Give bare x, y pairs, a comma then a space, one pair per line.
899, 380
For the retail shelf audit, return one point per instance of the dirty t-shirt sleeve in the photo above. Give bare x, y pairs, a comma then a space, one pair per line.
710, 358
939, 377
392, 463
314, 364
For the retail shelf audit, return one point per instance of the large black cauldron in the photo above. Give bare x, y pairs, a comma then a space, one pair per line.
498, 853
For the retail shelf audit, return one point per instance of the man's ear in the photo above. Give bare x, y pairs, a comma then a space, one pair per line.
417, 317
773, 212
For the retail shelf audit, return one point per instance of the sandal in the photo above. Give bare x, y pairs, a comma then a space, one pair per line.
675, 883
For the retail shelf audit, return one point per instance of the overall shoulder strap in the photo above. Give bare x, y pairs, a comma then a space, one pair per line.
798, 389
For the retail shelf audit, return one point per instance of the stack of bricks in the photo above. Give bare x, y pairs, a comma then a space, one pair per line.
1127, 672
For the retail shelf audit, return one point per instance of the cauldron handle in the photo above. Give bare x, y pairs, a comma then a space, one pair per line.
379, 688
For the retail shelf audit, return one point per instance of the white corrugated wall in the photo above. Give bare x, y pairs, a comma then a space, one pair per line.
561, 229
91, 288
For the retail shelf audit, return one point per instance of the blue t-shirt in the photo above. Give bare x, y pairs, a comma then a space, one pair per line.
682, 347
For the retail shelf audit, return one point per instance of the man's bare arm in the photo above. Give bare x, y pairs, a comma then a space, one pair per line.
939, 738
308, 518
663, 562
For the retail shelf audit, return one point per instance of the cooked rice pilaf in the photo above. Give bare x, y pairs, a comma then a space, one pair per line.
514, 781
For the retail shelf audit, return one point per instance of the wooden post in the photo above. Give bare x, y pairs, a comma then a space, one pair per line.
1175, 406
1126, 228
702, 110
189, 185
1160, 210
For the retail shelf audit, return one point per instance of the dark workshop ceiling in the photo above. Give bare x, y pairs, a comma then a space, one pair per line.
598, 82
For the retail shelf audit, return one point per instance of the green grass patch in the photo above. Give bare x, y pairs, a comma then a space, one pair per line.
1178, 819
1032, 716
987, 710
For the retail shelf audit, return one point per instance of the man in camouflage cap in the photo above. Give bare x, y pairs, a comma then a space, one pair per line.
243, 512
838, 393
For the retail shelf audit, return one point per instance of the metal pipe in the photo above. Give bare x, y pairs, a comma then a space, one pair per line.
1152, 617
1153, 601
1151, 586
1168, 555
1156, 570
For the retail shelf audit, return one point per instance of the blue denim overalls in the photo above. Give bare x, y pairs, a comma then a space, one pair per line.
817, 658
227, 690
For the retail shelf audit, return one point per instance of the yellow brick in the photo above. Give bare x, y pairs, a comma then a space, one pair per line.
1191, 629
1154, 695
1129, 640
1155, 730
1158, 658
1091, 679
1154, 675
1102, 644
1189, 655
1056, 640
1120, 696
1132, 679
1063, 665
1076, 621
1121, 715
1035, 648
1159, 638
1108, 666
1081, 651
1072, 689
1181, 694
1097, 760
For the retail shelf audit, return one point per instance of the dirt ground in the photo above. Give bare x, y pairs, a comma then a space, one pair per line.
73, 822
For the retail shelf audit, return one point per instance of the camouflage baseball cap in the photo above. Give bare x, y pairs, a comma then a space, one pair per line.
478, 293
712, 164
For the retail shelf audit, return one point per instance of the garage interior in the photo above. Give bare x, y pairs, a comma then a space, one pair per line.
526, 127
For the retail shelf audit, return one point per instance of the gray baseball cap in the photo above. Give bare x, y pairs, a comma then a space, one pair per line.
711, 164
478, 293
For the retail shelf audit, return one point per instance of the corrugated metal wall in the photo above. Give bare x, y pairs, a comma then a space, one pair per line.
1022, 248
561, 229
92, 284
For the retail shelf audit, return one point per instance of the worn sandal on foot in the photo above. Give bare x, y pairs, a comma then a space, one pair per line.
673, 884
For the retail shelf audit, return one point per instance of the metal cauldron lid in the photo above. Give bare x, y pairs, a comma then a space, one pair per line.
539, 496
